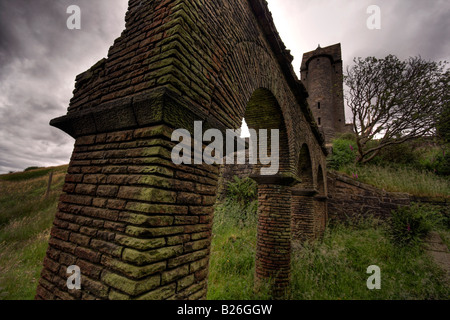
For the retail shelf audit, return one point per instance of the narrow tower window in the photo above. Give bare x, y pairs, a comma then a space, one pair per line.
320, 121
318, 105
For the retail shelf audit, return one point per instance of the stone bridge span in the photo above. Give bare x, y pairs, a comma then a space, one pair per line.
139, 226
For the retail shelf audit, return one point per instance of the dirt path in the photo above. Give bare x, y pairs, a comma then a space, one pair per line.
439, 252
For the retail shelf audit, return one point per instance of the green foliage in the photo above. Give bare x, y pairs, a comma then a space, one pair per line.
232, 264
235, 213
244, 192
401, 154
23, 198
31, 169
400, 179
25, 221
443, 124
410, 225
344, 153
347, 136
333, 268
419, 154
442, 164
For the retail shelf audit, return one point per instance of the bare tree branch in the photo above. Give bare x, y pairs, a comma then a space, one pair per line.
394, 101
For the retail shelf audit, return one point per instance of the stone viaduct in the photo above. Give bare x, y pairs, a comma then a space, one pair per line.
139, 226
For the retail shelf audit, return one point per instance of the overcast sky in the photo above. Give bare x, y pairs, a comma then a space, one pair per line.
40, 57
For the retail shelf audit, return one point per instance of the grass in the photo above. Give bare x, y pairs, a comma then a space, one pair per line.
335, 268
331, 269
232, 264
26, 175
398, 179
25, 221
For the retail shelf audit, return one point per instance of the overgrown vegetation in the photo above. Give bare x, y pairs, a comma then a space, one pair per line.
420, 168
244, 193
398, 179
409, 226
232, 265
26, 175
344, 153
25, 221
333, 268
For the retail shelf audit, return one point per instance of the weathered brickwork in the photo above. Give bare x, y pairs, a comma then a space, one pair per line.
138, 226
348, 199
302, 221
273, 258
128, 246
309, 210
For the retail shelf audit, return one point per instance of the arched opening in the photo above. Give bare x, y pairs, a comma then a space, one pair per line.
320, 181
264, 113
305, 172
320, 205
302, 221
264, 232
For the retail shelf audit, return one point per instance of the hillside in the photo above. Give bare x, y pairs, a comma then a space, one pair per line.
26, 217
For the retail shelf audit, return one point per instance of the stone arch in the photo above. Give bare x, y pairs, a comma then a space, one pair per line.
137, 224
264, 113
305, 167
273, 252
248, 74
321, 181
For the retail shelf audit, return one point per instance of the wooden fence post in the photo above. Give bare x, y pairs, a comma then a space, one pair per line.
50, 178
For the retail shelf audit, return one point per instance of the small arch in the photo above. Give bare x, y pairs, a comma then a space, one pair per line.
264, 112
321, 188
305, 167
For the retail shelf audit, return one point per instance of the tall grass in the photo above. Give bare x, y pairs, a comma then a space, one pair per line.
401, 179
232, 264
331, 269
335, 268
25, 221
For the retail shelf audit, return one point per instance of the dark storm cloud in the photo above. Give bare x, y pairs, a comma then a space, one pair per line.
39, 59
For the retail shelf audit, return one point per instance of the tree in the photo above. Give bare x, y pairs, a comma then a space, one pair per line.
443, 124
394, 101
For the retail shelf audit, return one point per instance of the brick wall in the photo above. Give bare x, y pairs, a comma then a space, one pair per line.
138, 226
125, 246
348, 198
